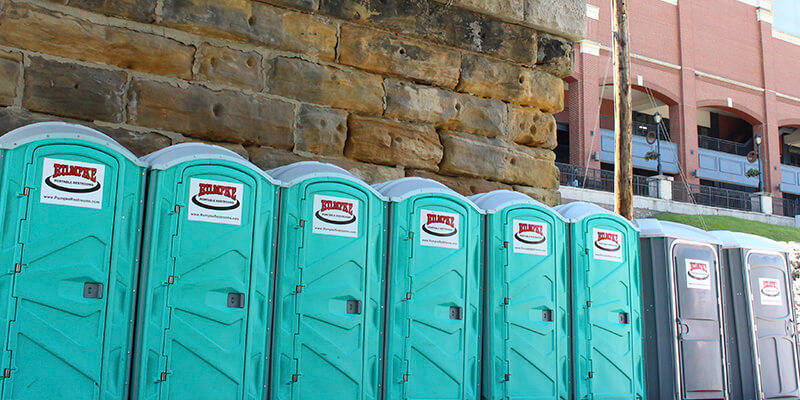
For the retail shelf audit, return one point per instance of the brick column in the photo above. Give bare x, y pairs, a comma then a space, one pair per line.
584, 100
684, 115
770, 131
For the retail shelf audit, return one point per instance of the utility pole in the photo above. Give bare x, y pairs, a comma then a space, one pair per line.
623, 118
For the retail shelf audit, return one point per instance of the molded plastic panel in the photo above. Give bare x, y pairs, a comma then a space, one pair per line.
205, 316
695, 269
775, 328
526, 341
328, 316
70, 213
433, 327
607, 325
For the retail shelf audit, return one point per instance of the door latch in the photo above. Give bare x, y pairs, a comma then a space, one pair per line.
353, 307
624, 318
547, 315
93, 290
455, 313
236, 300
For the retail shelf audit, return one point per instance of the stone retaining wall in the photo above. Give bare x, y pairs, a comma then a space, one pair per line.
461, 91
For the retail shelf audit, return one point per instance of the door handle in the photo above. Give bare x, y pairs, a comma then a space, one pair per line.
93, 290
683, 329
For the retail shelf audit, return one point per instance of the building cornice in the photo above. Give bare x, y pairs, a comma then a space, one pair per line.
786, 37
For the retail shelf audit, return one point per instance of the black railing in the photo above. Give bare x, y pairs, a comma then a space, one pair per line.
643, 129
638, 129
785, 207
711, 196
725, 146
597, 179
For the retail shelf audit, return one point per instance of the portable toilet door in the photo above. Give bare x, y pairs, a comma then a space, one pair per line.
434, 300
760, 322
329, 293
684, 340
606, 304
205, 291
526, 307
70, 211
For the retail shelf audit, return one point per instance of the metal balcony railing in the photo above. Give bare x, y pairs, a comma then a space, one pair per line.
785, 207
597, 179
725, 146
711, 196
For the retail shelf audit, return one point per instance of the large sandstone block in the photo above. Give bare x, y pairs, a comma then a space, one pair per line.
445, 109
389, 54
140, 143
246, 20
230, 67
527, 86
551, 197
389, 142
9, 75
439, 22
561, 17
556, 55
37, 29
494, 159
268, 158
137, 10
325, 85
531, 127
320, 130
514, 83
224, 116
462, 185
511, 10
75, 91
308, 5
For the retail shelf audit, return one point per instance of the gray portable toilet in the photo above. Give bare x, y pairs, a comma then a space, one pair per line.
70, 227
684, 341
433, 295
207, 271
607, 358
760, 324
526, 303
329, 289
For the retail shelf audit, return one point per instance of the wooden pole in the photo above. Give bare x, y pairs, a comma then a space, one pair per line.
623, 121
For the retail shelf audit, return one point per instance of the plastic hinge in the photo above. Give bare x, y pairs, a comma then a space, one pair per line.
295, 377
7, 373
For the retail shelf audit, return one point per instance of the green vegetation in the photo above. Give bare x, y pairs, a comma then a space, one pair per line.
720, 223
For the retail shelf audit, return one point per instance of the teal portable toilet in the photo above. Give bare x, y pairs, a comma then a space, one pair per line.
329, 293
434, 292
205, 290
760, 318
526, 307
684, 347
608, 360
71, 212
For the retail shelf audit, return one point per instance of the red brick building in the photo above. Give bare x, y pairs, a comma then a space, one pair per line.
719, 72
